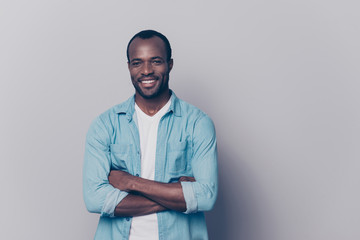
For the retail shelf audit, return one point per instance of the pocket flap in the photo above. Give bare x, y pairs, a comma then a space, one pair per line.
178, 146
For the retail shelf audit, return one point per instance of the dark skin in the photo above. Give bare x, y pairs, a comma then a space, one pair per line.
149, 196
149, 70
136, 205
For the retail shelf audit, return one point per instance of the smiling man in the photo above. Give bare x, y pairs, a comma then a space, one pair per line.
150, 166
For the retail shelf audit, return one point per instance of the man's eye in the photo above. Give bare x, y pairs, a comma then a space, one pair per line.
135, 64
157, 61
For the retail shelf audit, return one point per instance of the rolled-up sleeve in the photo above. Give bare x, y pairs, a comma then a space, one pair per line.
201, 195
99, 196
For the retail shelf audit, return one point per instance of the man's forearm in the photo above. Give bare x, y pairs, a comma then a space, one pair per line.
137, 205
169, 195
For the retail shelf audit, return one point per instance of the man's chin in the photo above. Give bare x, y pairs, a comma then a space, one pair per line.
148, 95
151, 93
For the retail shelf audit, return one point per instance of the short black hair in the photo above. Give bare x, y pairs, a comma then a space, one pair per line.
146, 34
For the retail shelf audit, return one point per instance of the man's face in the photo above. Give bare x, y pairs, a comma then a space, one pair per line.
149, 69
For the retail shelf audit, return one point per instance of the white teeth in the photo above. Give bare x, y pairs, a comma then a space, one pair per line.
149, 81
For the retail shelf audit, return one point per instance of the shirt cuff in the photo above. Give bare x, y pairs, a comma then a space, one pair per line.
189, 196
111, 201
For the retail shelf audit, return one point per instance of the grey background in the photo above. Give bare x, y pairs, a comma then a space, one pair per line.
280, 79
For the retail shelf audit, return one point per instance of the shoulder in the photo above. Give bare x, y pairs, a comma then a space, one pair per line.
114, 111
187, 109
106, 119
196, 116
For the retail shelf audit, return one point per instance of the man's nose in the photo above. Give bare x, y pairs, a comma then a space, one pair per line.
147, 68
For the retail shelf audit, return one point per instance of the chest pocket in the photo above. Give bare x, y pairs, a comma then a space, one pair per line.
178, 158
120, 156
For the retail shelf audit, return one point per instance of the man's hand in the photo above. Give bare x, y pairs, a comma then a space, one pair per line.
186, 179
121, 180
168, 195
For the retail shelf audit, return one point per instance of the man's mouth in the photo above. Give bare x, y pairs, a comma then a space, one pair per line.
147, 81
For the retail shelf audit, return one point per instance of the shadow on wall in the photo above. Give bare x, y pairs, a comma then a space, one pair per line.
235, 215
239, 212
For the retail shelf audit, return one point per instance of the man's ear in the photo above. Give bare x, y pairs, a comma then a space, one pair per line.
128, 65
171, 63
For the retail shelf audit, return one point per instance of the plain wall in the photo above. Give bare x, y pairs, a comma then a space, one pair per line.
279, 78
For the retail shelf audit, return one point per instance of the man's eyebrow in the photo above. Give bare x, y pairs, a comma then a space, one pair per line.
139, 59
135, 59
157, 57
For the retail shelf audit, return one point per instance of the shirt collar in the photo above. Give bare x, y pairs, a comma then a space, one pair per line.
128, 107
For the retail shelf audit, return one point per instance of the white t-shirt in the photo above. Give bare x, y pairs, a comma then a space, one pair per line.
146, 227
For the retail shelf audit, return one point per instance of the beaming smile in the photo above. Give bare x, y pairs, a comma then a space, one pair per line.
147, 81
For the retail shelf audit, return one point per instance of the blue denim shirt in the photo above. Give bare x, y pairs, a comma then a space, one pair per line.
186, 146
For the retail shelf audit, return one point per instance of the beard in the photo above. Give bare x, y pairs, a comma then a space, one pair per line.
155, 92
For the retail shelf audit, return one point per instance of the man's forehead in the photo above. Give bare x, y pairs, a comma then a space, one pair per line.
141, 46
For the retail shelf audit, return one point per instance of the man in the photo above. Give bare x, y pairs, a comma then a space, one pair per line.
150, 167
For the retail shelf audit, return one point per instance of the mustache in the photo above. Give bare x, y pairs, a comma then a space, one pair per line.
150, 77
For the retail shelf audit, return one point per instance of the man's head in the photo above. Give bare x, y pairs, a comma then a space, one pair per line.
149, 62
146, 34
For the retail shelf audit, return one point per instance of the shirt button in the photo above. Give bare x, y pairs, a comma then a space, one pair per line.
127, 219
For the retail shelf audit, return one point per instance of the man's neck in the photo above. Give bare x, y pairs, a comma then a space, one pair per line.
153, 105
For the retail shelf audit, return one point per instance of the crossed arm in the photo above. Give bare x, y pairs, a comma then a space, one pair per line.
147, 196
105, 190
